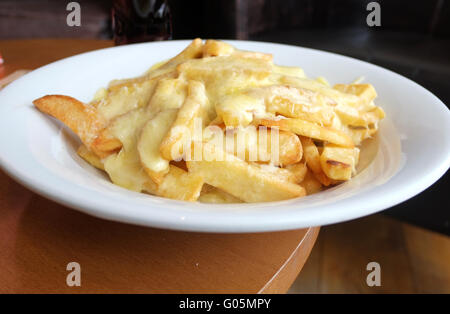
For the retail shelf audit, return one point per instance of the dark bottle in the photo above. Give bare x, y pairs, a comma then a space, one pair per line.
141, 20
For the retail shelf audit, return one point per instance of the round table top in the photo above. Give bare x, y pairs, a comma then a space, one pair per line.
39, 238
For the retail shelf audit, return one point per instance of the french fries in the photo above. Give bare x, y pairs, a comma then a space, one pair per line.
352, 117
206, 68
365, 116
180, 185
239, 109
339, 163
149, 142
166, 69
90, 157
242, 180
83, 119
288, 71
225, 74
296, 103
366, 92
172, 146
215, 48
279, 148
122, 98
299, 171
312, 158
168, 94
309, 129
214, 195
105, 144
337, 96
216, 124
193, 51
311, 184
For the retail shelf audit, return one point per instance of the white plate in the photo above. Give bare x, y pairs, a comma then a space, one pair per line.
414, 145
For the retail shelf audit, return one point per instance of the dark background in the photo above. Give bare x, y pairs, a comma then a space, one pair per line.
413, 40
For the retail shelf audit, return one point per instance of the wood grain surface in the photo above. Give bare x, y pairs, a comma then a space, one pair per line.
412, 259
38, 237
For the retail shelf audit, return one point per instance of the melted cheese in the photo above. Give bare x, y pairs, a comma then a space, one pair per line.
240, 88
125, 168
239, 109
151, 137
125, 98
289, 71
168, 94
337, 96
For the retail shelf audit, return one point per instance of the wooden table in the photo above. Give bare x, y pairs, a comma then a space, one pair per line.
412, 259
38, 237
